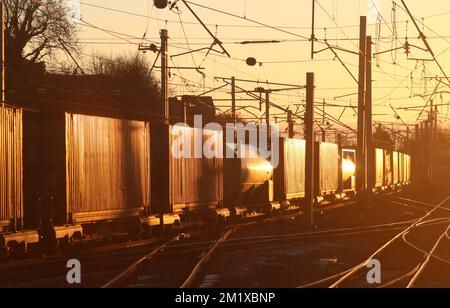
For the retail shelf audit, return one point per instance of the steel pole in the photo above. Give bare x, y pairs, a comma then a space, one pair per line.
360, 153
309, 165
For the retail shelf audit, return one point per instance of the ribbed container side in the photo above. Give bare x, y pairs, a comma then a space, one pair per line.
388, 168
328, 167
396, 167
379, 167
108, 167
408, 168
11, 178
195, 180
294, 170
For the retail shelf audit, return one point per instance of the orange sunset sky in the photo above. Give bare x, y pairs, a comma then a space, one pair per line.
397, 80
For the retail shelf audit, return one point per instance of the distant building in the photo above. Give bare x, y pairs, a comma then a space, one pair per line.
85, 94
103, 96
183, 109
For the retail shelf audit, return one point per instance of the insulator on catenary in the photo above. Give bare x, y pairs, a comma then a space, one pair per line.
251, 61
161, 4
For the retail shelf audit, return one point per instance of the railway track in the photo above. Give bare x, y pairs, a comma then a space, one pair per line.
200, 254
51, 271
183, 260
204, 251
405, 258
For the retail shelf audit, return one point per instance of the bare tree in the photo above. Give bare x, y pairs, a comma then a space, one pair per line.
382, 137
36, 29
132, 74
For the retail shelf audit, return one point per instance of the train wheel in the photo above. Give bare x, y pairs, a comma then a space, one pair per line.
76, 237
220, 220
4, 254
34, 250
146, 230
17, 250
64, 243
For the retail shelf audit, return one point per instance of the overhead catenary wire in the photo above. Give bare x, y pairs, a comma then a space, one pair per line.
188, 43
230, 25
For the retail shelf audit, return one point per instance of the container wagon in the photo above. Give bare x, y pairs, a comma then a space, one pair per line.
186, 181
85, 174
289, 176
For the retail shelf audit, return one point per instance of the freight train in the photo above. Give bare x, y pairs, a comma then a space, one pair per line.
66, 176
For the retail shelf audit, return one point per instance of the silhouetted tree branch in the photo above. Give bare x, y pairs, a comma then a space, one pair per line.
130, 73
34, 29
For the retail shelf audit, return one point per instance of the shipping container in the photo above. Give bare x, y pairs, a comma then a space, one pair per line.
82, 169
402, 168
248, 179
408, 168
388, 168
348, 165
289, 176
396, 168
11, 189
191, 179
327, 172
379, 168
108, 167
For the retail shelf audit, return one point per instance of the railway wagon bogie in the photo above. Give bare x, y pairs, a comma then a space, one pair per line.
18, 243
149, 223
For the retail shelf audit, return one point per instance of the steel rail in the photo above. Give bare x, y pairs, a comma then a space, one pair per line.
382, 248
204, 261
126, 274
424, 265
